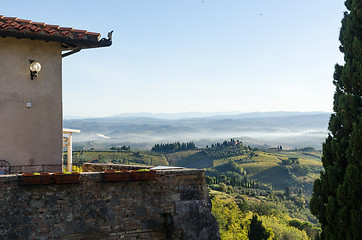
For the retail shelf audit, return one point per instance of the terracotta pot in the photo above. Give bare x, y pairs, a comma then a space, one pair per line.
30, 178
143, 175
113, 176
61, 178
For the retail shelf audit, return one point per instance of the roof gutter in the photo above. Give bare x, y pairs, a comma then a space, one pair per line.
71, 52
102, 43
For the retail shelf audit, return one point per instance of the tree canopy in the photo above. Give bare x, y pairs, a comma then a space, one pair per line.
336, 200
257, 231
172, 147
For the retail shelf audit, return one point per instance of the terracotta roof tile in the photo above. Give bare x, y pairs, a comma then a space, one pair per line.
79, 31
93, 33
52, 26
23, 20
8, 18
22, 28
66, 28
38, 23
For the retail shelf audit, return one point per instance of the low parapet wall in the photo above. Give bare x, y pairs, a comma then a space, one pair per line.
173, 206
100, 167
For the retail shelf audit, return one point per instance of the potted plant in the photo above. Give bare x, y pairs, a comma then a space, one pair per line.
117, 176
36, 178
67, 177
143, 174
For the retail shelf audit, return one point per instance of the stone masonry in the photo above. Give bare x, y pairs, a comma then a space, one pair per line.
173, 206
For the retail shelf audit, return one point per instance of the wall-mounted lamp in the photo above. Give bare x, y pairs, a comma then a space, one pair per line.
34, 68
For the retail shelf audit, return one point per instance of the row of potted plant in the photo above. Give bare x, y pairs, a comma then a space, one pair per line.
49, 178
127, 175
74, 177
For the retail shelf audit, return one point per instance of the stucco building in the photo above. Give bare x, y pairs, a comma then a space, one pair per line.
31, 102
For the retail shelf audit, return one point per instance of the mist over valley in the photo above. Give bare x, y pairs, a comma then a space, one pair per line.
289, 129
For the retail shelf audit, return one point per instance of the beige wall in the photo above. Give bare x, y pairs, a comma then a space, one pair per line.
30, 138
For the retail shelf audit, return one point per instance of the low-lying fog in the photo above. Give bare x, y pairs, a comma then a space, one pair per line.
294, 131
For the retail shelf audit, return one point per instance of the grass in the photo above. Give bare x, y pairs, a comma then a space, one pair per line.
233, 158
253, 168
120, 157
191, 159
263, 166
265, 157
268, 168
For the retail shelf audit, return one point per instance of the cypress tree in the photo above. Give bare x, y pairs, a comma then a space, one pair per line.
257, 230
336, 200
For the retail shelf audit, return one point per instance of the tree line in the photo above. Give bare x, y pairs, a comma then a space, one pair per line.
173, 147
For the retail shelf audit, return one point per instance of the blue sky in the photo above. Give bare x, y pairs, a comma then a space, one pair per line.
196, 56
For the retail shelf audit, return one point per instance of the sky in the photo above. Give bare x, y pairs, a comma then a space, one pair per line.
173, 56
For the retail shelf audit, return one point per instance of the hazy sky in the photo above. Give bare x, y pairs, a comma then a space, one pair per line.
196, 56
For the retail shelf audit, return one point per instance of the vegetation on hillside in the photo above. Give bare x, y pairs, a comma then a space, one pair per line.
173, 147
238, 217
116, 156
274, 185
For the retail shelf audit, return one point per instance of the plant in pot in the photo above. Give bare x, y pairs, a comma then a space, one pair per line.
36, 178
67, 177
143, 174
117, 176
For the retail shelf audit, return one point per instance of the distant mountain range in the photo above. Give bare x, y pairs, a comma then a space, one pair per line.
175, 116
143, 130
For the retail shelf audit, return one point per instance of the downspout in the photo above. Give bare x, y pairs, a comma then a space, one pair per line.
71, 52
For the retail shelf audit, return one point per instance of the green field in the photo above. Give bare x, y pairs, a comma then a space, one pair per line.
272, 168
276, 169
120, 157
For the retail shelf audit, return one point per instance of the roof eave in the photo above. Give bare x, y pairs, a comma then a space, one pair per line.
67, 43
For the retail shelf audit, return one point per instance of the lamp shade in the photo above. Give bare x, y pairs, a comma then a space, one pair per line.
35, 66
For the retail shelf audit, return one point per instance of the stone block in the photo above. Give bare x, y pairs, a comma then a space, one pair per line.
175, 205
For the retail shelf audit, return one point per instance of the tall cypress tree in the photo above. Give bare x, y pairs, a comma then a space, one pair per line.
257, 230
337, 201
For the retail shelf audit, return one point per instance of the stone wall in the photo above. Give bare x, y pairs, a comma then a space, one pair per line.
173, 206
100, 167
